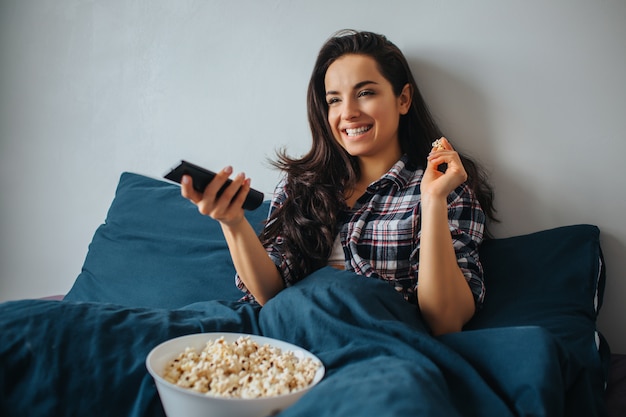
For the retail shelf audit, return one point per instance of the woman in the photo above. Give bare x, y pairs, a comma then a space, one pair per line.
371, 193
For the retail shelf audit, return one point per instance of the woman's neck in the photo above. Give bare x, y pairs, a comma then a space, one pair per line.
371, 169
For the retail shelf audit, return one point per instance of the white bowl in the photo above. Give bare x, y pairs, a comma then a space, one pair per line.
185, 402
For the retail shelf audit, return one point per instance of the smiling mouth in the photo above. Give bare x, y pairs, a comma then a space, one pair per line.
357, 131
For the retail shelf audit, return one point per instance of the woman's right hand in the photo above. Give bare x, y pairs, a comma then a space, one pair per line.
227, 208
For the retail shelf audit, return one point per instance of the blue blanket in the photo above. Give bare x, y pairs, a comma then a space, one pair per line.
77, 359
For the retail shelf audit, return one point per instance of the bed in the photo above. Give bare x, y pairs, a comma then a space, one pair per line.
157, 269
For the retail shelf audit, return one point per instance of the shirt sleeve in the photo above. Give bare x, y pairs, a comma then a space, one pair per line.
466, 219
275, 249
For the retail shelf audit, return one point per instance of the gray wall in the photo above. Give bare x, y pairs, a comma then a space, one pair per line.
88, 89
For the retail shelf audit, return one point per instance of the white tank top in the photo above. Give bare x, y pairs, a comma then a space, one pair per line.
337, 258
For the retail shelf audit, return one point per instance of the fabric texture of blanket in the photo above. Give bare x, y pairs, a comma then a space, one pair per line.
69, 358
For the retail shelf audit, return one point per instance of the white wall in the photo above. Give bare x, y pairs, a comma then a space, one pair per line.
90, 88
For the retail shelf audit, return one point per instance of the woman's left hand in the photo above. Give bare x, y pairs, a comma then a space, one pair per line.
444, 298
439, 184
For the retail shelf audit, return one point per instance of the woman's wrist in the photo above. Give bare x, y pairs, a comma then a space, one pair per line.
429, 202
233, 225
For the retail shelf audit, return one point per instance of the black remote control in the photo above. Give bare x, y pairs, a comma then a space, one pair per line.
202, 177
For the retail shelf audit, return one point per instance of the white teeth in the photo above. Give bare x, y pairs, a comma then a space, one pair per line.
357, 131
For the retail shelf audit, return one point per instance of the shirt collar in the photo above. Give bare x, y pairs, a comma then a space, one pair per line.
400, 174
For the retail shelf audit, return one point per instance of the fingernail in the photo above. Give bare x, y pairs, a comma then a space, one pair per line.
228, 170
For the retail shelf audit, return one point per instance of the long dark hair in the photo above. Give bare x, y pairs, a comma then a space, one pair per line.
315, 183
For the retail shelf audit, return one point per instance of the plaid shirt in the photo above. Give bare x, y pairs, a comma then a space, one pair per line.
380, 235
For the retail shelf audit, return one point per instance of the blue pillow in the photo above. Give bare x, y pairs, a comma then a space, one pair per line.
156, 250
555, 279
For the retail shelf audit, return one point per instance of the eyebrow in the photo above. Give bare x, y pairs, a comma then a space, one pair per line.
356, 86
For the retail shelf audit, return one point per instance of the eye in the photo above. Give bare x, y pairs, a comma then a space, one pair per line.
332, 100
364, 93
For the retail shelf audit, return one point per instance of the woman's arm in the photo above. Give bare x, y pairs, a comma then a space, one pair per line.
444, 296
253, 265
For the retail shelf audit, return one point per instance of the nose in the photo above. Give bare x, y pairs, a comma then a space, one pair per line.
350, 109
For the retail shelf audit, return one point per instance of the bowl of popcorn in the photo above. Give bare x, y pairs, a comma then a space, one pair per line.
231, 374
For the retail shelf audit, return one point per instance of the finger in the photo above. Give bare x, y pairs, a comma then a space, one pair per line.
229, 193
216, 184
437, 168
187, 190
242, 193
446, 144
442, 160
441, 144
440, 157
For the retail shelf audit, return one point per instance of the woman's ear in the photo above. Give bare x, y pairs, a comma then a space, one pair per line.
405, 98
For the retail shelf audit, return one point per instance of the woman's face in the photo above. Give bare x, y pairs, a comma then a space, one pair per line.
363, 111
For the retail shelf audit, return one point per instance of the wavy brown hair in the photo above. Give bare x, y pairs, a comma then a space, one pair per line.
315, 183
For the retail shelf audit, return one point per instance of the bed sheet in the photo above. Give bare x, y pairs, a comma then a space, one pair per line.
73, 358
